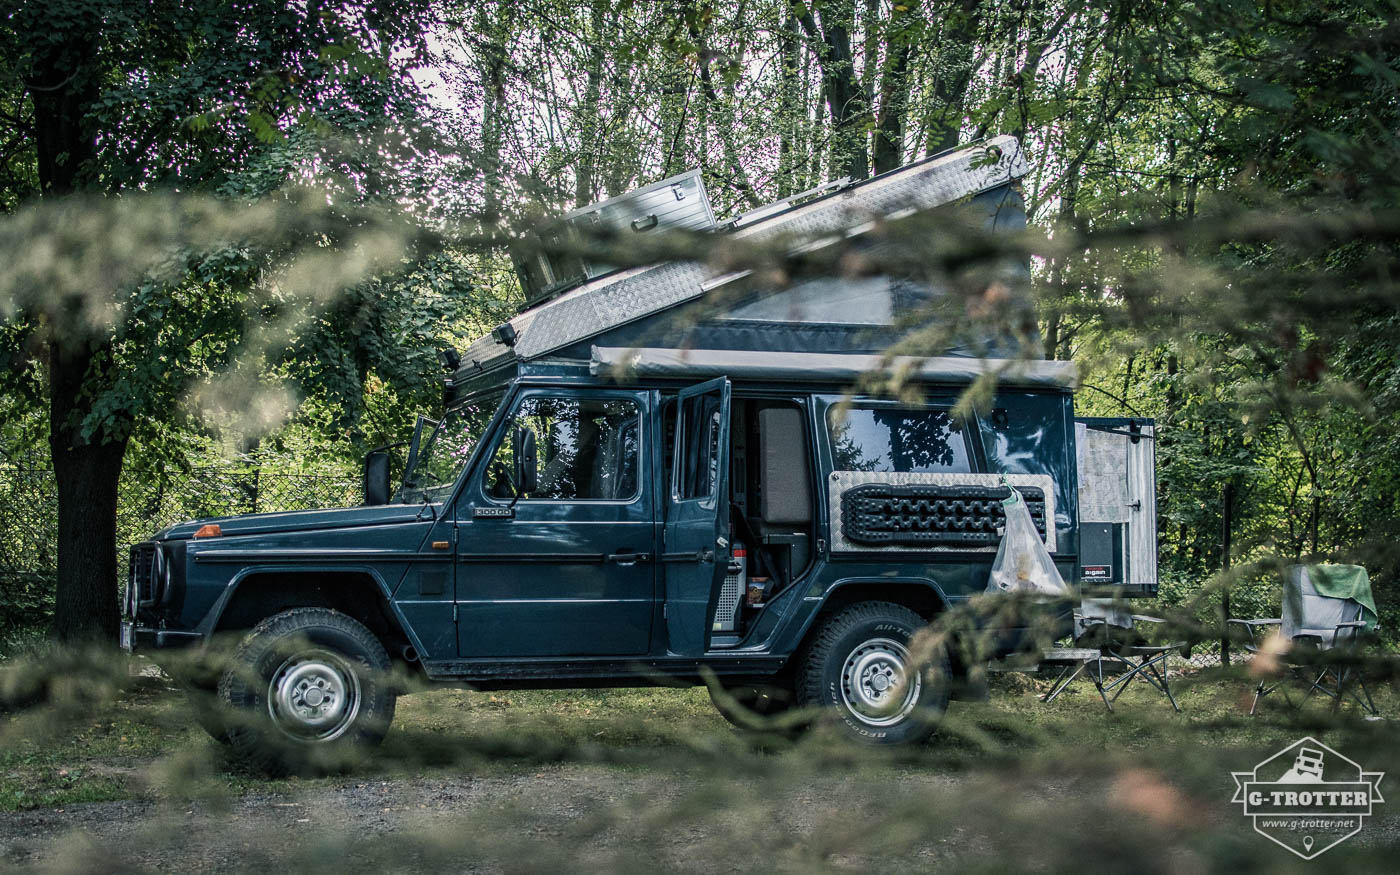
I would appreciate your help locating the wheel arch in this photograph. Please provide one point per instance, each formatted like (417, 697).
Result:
(359, 593)
(919, 594)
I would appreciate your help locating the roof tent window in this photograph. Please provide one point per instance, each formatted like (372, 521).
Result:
(845, 301)
(903, 440)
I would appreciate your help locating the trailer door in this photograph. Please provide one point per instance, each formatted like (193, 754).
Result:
(1116, 460)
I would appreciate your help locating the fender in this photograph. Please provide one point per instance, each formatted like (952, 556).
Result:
(814, 604)
(210, 622)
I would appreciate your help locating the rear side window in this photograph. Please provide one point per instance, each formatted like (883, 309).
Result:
(896, 439)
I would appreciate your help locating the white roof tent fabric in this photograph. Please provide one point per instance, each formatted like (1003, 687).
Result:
(782, 367)
(624, 297)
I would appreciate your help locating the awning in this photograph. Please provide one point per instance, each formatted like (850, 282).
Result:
(789, 367)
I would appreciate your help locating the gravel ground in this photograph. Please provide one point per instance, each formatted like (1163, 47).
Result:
(573, 816)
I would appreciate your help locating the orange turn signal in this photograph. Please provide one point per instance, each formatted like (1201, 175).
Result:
(209, 530)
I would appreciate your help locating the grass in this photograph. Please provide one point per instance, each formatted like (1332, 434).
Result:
(141, 740)
(624, 780)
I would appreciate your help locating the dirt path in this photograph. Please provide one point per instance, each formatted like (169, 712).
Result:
(602, 818)
(264, 830)
(593, 817)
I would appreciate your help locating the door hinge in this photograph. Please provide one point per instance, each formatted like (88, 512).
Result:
(663, 610)
(454, 612)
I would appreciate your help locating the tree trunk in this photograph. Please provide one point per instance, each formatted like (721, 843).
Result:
(86, 471)
(789, 124)
(894, 88)
(86, 468)
(493, 113)
(844, 95)
(585, 170)
(1059, 268)
(950, 87)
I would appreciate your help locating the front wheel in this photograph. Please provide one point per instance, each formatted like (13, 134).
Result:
(306, 687)
(860, 666)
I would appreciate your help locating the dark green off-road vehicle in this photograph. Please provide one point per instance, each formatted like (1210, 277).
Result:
(630, 485)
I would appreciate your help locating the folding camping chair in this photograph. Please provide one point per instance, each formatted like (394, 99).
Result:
(1325, 633)
(1104, 633)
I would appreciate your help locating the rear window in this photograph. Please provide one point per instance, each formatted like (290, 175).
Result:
(899, 439)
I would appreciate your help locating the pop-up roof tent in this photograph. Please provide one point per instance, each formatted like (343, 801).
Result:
(641, 316)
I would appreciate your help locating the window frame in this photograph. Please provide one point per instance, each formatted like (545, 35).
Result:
(567, 394)
(678, 472)
(970, 429)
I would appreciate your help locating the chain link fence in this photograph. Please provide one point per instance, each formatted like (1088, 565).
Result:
(29, 518)
(29, 530)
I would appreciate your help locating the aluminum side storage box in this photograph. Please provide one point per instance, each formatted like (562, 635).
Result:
(551, 261)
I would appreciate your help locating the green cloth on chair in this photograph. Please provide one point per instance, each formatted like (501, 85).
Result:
(1346, 582)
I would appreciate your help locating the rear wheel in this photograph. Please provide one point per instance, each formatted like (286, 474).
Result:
(860, 666)
(305, 688)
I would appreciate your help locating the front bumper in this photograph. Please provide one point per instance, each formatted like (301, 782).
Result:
(135, 637)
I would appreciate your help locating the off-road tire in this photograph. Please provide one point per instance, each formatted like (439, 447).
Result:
(870, 641)
(270, 724)
(208, 710)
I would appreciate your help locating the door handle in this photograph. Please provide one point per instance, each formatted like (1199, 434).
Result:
(626, 559)
(697, 556)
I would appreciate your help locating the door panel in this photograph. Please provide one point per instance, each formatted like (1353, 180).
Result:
(1116, 460)
(571, 573)
(697, 515)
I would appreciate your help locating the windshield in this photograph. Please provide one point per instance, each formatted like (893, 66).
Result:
(442, 454)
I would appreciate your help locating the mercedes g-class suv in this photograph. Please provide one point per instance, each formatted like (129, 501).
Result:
(630, 486)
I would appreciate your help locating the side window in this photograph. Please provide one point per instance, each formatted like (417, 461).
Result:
(588, 449)
(899, 439)
(698, 465)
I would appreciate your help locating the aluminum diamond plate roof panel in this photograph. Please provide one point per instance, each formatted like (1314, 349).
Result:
(620, 298)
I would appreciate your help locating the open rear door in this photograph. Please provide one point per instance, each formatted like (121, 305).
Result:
(1117, 462)
(696, 553)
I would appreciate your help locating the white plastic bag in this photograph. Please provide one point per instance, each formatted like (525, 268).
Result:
(1023, 564)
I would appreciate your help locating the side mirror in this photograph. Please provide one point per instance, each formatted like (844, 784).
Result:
(376, 479)
(526, 464)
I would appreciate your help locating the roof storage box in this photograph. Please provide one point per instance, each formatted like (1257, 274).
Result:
(553, 260)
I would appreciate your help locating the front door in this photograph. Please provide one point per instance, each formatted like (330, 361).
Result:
(569, 569)
(697, 516)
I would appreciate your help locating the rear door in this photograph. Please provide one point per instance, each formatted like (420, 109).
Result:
(1116, 461)
(697, 539)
